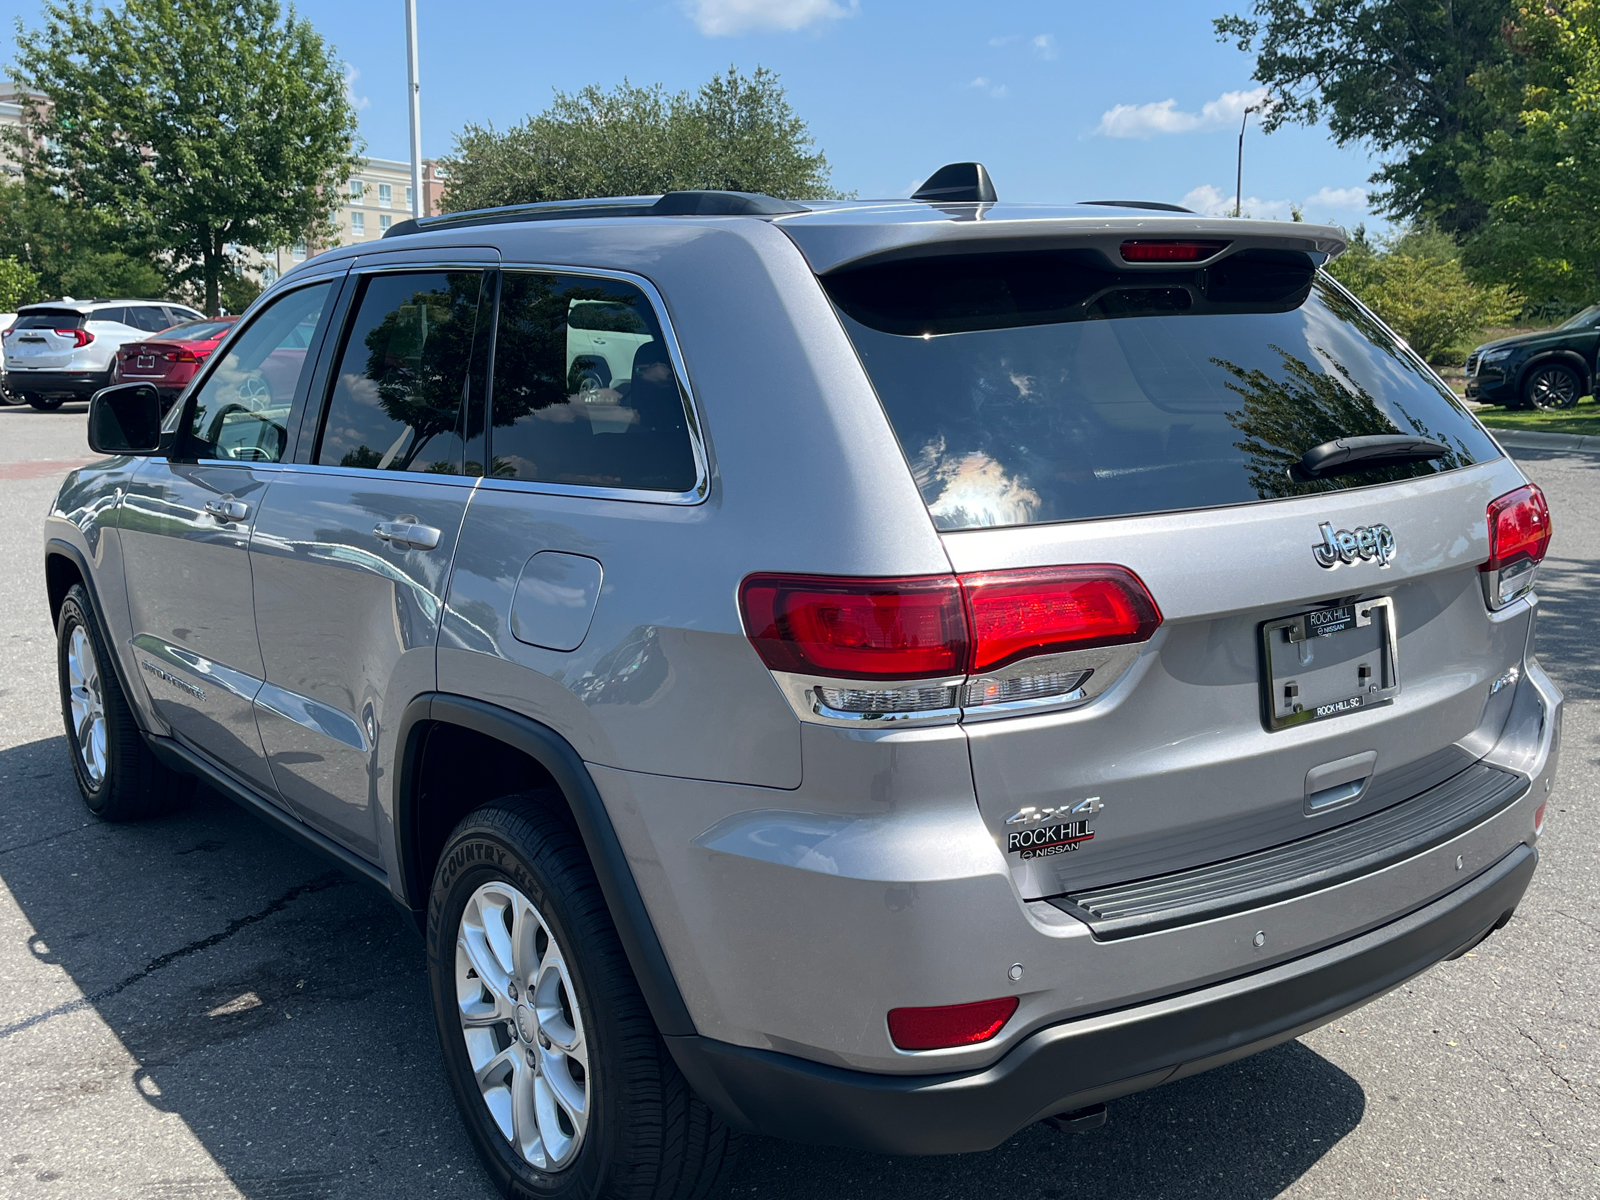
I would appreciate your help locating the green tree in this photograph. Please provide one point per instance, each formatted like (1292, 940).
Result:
(194, 124)
(18, 285)
(1417, 284)
(1541, 183)
(1393, 75)
(737, 133)
(72, 249)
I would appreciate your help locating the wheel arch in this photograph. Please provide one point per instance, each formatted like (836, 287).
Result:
(1567, 358)
(553, 761)
(65, 565)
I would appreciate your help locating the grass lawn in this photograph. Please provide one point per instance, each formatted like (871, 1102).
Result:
(1584, 418)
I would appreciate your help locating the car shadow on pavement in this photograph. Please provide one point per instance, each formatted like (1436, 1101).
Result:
(281, 1010)
(1566, 631)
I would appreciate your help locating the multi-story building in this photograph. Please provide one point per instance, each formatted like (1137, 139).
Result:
(378, 195)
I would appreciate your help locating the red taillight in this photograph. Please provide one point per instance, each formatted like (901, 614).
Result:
(927, 626)
(1519, 528)
(857, 628)
(1170, 251)
(950, 1024)
(80, 337)
(1538, 819)
(1020, 614)
(182, 356)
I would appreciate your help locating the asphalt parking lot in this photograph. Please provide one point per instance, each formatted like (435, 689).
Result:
(195, 1007)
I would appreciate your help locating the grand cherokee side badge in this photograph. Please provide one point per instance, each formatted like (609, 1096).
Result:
(1347, 545)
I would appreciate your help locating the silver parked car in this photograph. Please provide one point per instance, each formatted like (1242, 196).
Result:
(965, 662)
(62, 350)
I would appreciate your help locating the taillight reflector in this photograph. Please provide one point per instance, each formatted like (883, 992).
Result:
(80, 337)
(1170, 251)
(950, 1024)
(1519, 528)
(1020, 614)
(909, 628)
(926, 626)
(1538, 819)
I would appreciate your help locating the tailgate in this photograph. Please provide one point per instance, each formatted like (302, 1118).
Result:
(1178, 757)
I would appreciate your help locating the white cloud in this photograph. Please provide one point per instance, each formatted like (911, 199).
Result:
(1044, 45)
(1006, 40)
(1164, 116)
(721, 18)
(351, 74)
(1210, 202)
(1331, 197)
(997, 90)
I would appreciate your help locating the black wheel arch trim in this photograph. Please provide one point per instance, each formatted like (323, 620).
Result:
(557, 756)
(57, 548)
(1567, 358)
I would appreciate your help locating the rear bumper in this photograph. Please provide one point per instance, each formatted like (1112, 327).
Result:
(1093, 1059)
(55, 383)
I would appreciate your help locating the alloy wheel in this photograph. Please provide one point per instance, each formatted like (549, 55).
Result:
(524, 1032)
(88, 705)
(1553, 388)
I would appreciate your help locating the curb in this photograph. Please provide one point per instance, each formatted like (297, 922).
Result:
(1519, 439)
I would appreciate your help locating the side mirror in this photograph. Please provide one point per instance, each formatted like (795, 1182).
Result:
(125, 419)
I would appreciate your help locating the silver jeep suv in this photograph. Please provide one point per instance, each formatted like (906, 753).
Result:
(872, 673)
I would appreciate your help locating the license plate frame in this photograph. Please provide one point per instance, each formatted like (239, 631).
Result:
(1354, 638)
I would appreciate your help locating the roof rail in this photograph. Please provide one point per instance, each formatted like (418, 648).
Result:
(669, 204)
(1154, 205)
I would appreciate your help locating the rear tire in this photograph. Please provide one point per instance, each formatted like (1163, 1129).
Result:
(44, 405)
(515, 905)
(118, 778)
(1551, 387)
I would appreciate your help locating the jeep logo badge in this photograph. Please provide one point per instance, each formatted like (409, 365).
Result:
(1347, 545)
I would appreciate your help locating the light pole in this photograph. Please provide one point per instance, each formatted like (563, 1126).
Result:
(1238, 183)
(416, 109)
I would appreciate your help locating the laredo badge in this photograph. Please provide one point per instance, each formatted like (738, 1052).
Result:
(1048, 831)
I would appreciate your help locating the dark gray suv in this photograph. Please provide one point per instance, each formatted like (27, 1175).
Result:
(873, 673)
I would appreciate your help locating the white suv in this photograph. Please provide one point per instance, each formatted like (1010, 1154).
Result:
(62, 350)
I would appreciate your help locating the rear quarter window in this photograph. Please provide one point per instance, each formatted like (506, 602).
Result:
(1045, 386)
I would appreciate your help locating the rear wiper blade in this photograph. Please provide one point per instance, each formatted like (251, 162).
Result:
(1349, 455)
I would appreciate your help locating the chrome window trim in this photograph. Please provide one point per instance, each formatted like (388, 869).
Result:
(693, 418)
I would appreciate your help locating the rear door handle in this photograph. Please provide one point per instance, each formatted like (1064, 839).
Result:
(406, 534)
(228, 509)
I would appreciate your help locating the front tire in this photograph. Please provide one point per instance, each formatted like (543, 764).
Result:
(1551, 387)
(118, 778)
(562, 1078)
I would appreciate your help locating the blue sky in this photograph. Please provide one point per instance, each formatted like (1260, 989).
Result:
(1062, 101)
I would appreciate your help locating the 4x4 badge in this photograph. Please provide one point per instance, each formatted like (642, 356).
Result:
(1347, 545)
(1048, 831)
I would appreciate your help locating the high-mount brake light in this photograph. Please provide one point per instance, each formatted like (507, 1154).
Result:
(949, 1025)
(943, 643)
(1170, 251)
(1519, 535)
(80, 337)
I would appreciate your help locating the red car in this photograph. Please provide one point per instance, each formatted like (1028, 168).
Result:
(170, 359)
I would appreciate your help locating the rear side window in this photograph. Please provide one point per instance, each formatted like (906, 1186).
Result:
(1044, 386)
(118, 315)
(584, 391)
(242, 410)
(405, 371)
(61, 319)
(147, 317)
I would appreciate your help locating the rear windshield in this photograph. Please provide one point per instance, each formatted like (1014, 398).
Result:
(50, 320)
(198, 331)
(1044, 386)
